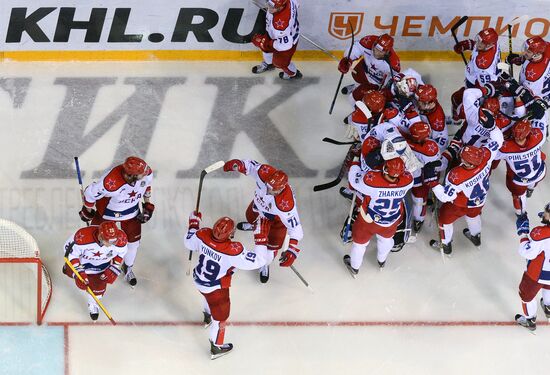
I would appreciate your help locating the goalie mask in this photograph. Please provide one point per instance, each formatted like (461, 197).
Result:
(406, 86)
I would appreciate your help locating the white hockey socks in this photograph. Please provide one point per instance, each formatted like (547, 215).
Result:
(384, 246)
(474, 224)
(131, 254)
(447, 233)
(418, 207)
(268, 57)
(530, 308)
(356, 254)
(546, 297)
(217, 332)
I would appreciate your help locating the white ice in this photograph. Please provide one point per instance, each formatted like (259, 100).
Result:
(418, 316)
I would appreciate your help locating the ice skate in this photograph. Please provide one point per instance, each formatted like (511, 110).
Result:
(417, 225)
(476, 240)
(529, 323)
(264, 274)
(129, 275)
(283, 75)
(348, 89)
(447, 248)
(397, 247)
(207, 319)
(381, 264)
(545, 308)
(93, 308)
(529, 192)
(245, 225)
(347, 262)
(218, 351)
(263, 67)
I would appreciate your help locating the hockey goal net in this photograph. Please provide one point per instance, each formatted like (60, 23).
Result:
(25, 285)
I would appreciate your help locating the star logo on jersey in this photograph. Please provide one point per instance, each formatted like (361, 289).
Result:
(432, 147)
(482, 61)
(279, 24)
(264, 169)
(285, 205)
(79, 237)
(371, 142)
(132, 194)
(530, 73)
(453, 176)
(438, 123)
(369, 177)
(234, 246)
(110, 183)
(97, 254)
(535, 232)
(373, 67)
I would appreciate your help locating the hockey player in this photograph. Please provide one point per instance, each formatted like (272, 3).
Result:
(116, 197)
(96, 253)
(482, 67)
(535, 77)
(274, 200)
(465, 190)
(280, 42)
(432, 113)
(381, 209)
(367, 113)
(426, 151)
(535, 247)
(375, 69)
(218, 257)
(525, 162)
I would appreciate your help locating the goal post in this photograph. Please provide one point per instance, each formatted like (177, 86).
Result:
(25, 284)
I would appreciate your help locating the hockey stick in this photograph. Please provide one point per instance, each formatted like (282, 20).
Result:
(335, 142)
(342, 75)
(89, 290)
(204, 172)
(300, 277)
(325, 51)
(347, 230)
(515, 21)
(79, 176)
(453, 31)
(341, 173)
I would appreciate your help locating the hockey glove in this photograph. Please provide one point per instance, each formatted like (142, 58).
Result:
(514, 58)
(195, 220)
(263, 42)
(519, 91)
(538, 109)
(522, 224)
(464, 45)
(85, 281)
(147, 212)
(344, 65)
(490, 90)
(110, 274)
(234, 165)
(289, 256)
(86, 215)
(431, 176)
(261, 231)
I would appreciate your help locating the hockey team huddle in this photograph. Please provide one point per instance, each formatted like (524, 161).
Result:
(401, 158)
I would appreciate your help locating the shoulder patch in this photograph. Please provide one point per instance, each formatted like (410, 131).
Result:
(368, 41)
(264, 171)
(114, 179)
(390, 113)
(540, 233)
(86, 235)
(484, 59)
(281, 20)
(359, 117)
(436, 119)
(285, 201)
(228, 247)
(122, 239)
(394, 61)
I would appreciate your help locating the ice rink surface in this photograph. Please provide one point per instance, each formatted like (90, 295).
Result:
(417, 316)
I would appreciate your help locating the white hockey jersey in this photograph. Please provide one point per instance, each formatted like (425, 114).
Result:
(283, 27)
(536, 249)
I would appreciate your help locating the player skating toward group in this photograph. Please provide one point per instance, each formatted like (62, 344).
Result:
(116, 196)
(218, 257)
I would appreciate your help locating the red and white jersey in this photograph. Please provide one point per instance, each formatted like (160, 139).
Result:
(536, 76)
(114, 198)
(84, 248)
(436, 120)
(383, 200)
(526, 163)
(282, 205)
(283, 27)
(425, 152)
(536, 249)
(385, 130)
(468, 187)
(363, 124)
(475, 133)
(377, 71)
(482, 67)
(217, 260)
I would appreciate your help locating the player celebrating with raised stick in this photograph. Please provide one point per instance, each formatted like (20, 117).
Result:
(96, 253)
(116, 197)
(274, 200)
(218, 256)
(280, 42)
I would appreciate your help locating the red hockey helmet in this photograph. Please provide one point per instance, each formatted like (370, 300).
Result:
(394, 167)
(108, 232)
(426, 93)
(223, 229)
(521, 129)
(472, 155)
(420, 131)
(384, 43)
(277, 181)
(486, 39)
(535, 44)
(375, 101)
(492, 104)
(134, 166)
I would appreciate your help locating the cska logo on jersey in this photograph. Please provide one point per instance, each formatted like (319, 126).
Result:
(339, 25)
